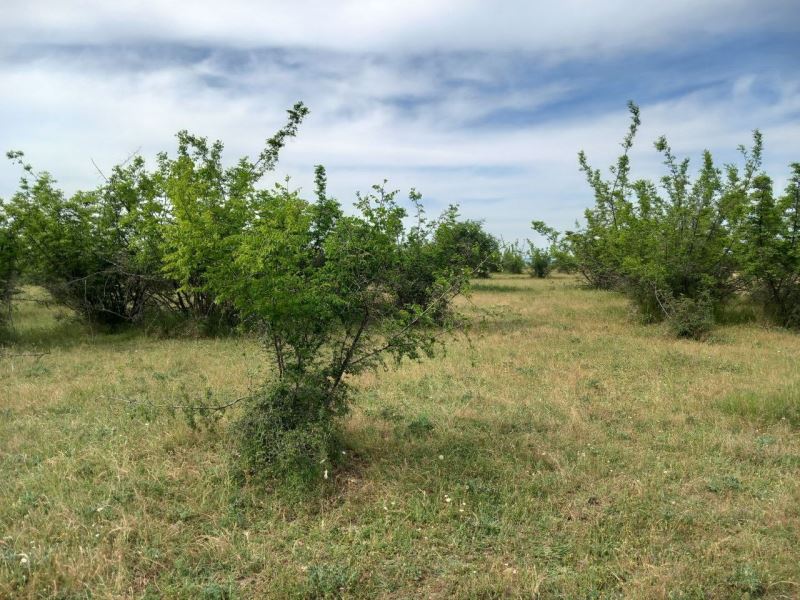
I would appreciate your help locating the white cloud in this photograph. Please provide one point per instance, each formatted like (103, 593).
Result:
(375, 113)
(379, 25)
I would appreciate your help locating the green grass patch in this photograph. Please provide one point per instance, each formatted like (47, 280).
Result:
(564, 451)
(765, 407)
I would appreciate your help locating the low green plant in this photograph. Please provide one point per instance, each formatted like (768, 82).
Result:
(746, 580)
(330, 581)
(780, 406)
(512, 259)
(287, 431)
(690, 317)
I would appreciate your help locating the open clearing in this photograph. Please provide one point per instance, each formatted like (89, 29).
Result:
(565, 450)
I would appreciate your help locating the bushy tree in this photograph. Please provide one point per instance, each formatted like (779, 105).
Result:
(512, 260)
(95, 251)
(329, 292)
(8, 267)
(74, 245)
(468, 244)
(425, 261)
(596, 247)
(142, 239)
(770, 252)
(542, 260)
(209, 206)
(668, 251)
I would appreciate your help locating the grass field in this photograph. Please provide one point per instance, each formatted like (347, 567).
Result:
(563, 451)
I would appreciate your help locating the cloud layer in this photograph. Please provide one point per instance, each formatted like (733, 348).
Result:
(485, 105)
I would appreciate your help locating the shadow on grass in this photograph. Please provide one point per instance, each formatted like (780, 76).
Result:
(39, 324)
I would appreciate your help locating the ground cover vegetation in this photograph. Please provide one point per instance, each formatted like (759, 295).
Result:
(564, 450)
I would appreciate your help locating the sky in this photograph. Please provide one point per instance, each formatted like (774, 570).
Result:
(484, 104)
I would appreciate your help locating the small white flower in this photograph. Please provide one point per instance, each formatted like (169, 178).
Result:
(441, 457)
(325, 475)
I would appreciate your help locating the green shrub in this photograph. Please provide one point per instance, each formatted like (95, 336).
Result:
(143, 241)
(684, 251)
(424, 261)
(512, 259)
(770, 249)
(467, 244)
(541, 262)
(92, 251)
(691, 318)
(329, 294)
(8, 269)
(287, 431)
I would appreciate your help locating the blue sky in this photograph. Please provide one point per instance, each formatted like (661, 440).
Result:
(483, 104)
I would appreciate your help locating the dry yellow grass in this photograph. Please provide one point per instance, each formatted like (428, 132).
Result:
(565, 451)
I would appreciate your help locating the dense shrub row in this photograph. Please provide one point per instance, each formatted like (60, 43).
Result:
(156, 241)
(684, 250)
(330, 293)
